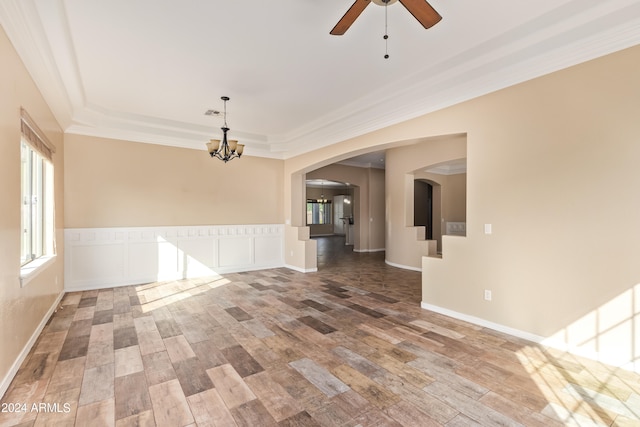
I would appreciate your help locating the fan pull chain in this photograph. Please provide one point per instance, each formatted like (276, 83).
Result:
(386, 35)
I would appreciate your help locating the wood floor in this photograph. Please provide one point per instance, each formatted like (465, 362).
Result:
(346, 346)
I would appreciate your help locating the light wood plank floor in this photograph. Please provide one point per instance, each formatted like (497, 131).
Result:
(347, 346)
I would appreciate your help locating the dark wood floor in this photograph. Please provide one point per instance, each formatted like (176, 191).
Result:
(346, 346)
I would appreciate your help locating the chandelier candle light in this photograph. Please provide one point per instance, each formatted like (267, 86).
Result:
(228, 149)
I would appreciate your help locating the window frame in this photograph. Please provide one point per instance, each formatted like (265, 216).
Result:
(37, 201)
(323, 213)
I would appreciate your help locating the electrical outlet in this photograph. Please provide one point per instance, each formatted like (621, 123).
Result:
(487, 295)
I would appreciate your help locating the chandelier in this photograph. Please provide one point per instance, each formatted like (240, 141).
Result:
(228, 149)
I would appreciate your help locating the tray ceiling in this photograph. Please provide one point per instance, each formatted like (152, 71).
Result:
(148, 70)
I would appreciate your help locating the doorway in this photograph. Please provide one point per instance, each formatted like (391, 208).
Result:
(423, 206)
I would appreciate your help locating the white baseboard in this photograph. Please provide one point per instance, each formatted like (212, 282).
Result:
(301, 270)
(370, 250)
(547, 342)
(406, 267)
(6, 381)
(484, 323)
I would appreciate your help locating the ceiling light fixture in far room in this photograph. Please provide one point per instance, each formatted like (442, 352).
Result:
(347, 199)
(322, 198)
(229, 149)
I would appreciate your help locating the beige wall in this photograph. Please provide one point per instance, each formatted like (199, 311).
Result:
(22, 309)
(376, 209)
(113, 183)
(454, 201)
(552, 164)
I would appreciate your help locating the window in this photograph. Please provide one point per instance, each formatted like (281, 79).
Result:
(318, 212)
(37, 207)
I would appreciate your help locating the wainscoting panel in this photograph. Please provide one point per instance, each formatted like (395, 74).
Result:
(90, 262)
(198, 256)
(104, 257)
(235, 251)
(268, 250)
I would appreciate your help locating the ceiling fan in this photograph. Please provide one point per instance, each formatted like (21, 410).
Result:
(420, 9)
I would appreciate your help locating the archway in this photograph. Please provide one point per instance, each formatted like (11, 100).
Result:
(385, 218)
(364, 189)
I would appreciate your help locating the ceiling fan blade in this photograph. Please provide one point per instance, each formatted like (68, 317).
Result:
(423, 12)
(345, 22)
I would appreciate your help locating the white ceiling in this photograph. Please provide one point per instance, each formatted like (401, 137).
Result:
(147, 70)
(374, 159)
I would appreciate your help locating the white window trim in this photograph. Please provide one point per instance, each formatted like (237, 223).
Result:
(29, 271)
(39, 142)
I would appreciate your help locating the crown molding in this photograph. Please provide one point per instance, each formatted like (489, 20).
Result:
(30, 42)
(522, 54)
(531, 50)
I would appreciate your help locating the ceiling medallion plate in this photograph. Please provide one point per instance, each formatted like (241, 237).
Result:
(383, 3)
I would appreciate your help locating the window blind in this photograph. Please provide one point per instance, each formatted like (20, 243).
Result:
(35, 137)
